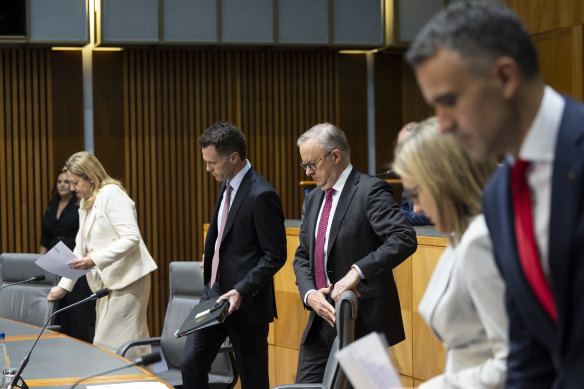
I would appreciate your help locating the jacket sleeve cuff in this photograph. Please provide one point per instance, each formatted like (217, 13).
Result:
(67, 284)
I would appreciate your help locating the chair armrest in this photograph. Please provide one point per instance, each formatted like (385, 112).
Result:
(133, 343)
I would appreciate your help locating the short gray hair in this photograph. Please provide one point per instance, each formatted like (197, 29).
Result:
(481, 31)
(329, 136)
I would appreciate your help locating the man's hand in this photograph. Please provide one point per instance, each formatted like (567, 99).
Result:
(348, 282)
(56, 293)
(234, 299)
(317, 301)
(83, 263)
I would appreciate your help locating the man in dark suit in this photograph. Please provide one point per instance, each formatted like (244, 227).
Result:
(245, 246)
(352, 237)
(476, 64)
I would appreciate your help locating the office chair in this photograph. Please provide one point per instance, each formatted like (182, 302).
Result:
(26, 302)
(334, 377)
(186, 288)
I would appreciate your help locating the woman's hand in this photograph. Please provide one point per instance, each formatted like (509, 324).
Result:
(81, 264)
(56, 293)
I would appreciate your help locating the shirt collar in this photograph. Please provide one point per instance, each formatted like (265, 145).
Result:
(236, 181)
(340, 183)
(540, 143)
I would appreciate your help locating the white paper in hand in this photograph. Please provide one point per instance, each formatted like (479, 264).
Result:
(367, 364)
(55, 261)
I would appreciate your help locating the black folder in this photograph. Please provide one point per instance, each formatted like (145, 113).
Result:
(205, 314)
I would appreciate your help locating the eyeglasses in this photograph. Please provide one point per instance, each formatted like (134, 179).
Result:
(312, 165)
(412, 195)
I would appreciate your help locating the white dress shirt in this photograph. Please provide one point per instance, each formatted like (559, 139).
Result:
(234, 183)
(538, 148)
(338, 187)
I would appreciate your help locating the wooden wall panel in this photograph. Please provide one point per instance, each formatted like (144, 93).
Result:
(388, 107)
(545, 15)
(67, 106)
(26, 166)
(560, 59)
(353, 100)
(171, 96)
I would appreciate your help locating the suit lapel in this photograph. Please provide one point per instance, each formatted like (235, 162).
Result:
(88, 220)
(540, 321)
(312, 220)
(344, 201)
(212, 231)
(567, 191)
(240, 195)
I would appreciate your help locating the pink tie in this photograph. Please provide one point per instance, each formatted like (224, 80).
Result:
(215, 263)
(319, 269)
(528, 255)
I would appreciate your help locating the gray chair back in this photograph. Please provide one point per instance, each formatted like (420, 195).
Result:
(26, 302)
(186, 289)
(346, 313)
(334, 377)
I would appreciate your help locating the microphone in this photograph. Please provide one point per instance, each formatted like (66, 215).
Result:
(40, 277)
(147, 359)
(385, 173)
(97, 295)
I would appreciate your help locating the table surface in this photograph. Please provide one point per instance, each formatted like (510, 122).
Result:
(58, 361)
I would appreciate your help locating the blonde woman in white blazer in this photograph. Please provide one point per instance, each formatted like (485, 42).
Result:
(110, 245)
(464, 301)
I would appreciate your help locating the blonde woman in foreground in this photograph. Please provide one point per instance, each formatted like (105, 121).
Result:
(109, 243)
(464, 301)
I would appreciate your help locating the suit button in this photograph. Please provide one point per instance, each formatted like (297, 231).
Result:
(113, 239)
(90, 250)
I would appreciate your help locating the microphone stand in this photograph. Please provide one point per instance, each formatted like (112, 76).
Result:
(143, 361)
(97, 295)
(35, 278)
(385, 173)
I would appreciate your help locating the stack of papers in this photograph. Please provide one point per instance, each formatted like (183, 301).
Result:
(367, 365)
(55, 261)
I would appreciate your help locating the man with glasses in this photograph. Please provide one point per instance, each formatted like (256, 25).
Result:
(352, 236)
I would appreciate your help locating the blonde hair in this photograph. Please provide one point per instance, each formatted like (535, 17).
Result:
(453, 181)
(88, 167)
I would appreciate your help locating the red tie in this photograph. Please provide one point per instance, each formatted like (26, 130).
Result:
(215, 262)
(319, 269)
(525, 236)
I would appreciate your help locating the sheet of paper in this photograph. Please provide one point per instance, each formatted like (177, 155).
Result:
(367, 364)
(55, 261)
(130, 385)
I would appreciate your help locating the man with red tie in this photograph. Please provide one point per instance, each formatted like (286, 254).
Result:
(476, 64)
(352, 236)
(245, 246)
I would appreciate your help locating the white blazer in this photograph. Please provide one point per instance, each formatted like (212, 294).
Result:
(464, 306)
(112, 237)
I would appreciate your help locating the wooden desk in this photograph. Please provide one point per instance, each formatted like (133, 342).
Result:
(58, 361)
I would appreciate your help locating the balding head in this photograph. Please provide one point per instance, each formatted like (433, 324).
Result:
(405, 131)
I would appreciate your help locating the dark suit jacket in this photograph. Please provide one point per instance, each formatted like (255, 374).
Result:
(414, 218)
(368, 230)
(253, 248)
(544, 354)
